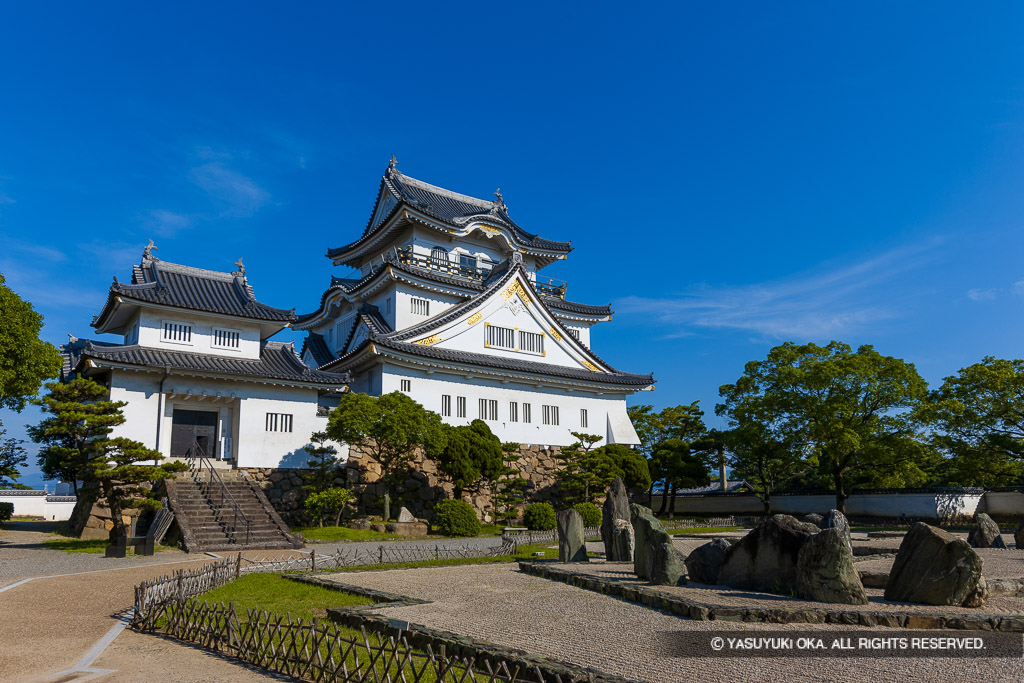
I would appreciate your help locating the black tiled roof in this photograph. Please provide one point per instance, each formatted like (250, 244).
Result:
(277, 361)
(444, 205)
(195, 289)
(317, 345)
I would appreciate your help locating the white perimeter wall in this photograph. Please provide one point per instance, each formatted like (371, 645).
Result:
(37, 505)
(242, 409)
(920, 505)
(428, 389)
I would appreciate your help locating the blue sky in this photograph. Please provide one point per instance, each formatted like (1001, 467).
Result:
(732, 175)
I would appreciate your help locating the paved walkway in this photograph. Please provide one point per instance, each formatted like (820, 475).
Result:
(497, 603)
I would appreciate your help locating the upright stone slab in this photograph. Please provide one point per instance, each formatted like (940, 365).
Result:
(703, 564)
(616, 509)
(837, 520)
(766, 558)
(933, 567)
(665, 563)
(571, 546)
(623, 541)
(825, 571)
(985, 533)
(1018, 536)
(639, 538)
(404, 515)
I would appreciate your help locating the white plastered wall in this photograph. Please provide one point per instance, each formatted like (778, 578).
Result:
(152, 325)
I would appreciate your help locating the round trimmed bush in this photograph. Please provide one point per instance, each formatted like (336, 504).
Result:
(590, 513)
(456, 518)
(539, 517)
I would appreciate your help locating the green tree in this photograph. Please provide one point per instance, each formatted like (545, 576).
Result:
(472, 455)
(77, 432)
(12, 456)
(761, 460)
(649, 427)
(25, 360)
(581, 473)
(683, 422)
(389, 428)
(323, 463)
(330, 502)
(852, 410)
(682, 468)
(978, 416)
(508, 489)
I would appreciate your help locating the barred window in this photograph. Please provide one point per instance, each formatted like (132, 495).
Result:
(446, 405)
(574, 332)
(177, 332)
(421, 306)
(226, 339)
(488, 409)
(279, 422)
(501, 337)
(526, 412)
(531, 342)
(460, 405)
(513, 412)
(549, 415)
(438, 257)
(583, 417)
(406, 385)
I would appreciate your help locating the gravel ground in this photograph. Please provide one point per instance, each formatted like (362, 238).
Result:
(499, 604)
(727, 597)
(996, 563)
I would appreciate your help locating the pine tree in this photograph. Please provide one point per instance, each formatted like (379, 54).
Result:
(508, 489)
(323, 463)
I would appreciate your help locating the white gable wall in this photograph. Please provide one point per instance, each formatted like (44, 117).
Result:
(151, 332)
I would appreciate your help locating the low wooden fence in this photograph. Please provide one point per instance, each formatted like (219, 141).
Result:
(321, 651)
(549, 536)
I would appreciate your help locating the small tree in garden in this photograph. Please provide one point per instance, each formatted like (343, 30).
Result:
(473, 454)
(456, 518)
(682, 468)
(508, 489)
(539, 517)
(590, 513)
(76, 437)
(327, 504)
(389, 428)
(323, 463)
(581, 473)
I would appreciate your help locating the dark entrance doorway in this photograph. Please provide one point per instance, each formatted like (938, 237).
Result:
(193, 426)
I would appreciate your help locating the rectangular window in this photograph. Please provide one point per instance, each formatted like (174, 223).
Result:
(575, 333)
(549, 415)
(513, 412)
(279, 422)
(531, 342)
(406, 385)
(488, 409)
(460, 404)
(446, 405)
(526, 412)
(420, 306)
(226, 339)
(583, 417)
(501, 337)
(180, 333)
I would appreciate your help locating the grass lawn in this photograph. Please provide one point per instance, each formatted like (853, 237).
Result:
(280, 596)
(341, 533)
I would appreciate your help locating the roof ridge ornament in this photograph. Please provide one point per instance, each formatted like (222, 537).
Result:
(241, 267)
(393, 164)
(498, 204)
(147, 253)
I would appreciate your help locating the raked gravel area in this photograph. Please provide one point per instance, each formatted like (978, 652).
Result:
(499, 604)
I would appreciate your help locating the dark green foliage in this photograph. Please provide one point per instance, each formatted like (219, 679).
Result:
(6, 511)
(851, 412)
(761, 459)
(680, 467)
(12, 456)
(25, 360)
(539, 517)
(456, 518)
(683, 423)
(75, 438)
(979, 419)
(323, 463)
(590, 513)
(327, 504)
(588, 472)
(390, 429)
(508, 489)
(472, 454)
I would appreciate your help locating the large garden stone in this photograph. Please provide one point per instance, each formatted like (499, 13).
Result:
(815, 519)
(1018, 536)
(623, 541)
(934, 568)
(616, 509)
(985, 533)
(665, 563)
(766, 558)
(837, 520)
(639, 538)
(825, 571)
(571, 546)
(702, 564)
(405, 516)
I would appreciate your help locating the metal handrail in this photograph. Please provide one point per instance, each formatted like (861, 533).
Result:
(198, 459)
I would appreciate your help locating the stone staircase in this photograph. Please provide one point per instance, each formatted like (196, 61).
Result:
(207, 523)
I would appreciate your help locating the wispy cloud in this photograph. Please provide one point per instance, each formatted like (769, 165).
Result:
(165, 223)
(1018, 288)
(982, 294)
(240, 196)
(815, 306)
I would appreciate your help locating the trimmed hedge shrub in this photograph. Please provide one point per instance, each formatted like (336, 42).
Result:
(6, 511)
(590, 513)
(456, 518)
(539, 517)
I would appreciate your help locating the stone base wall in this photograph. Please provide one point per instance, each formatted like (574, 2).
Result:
(91, 517)
(419, 492)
